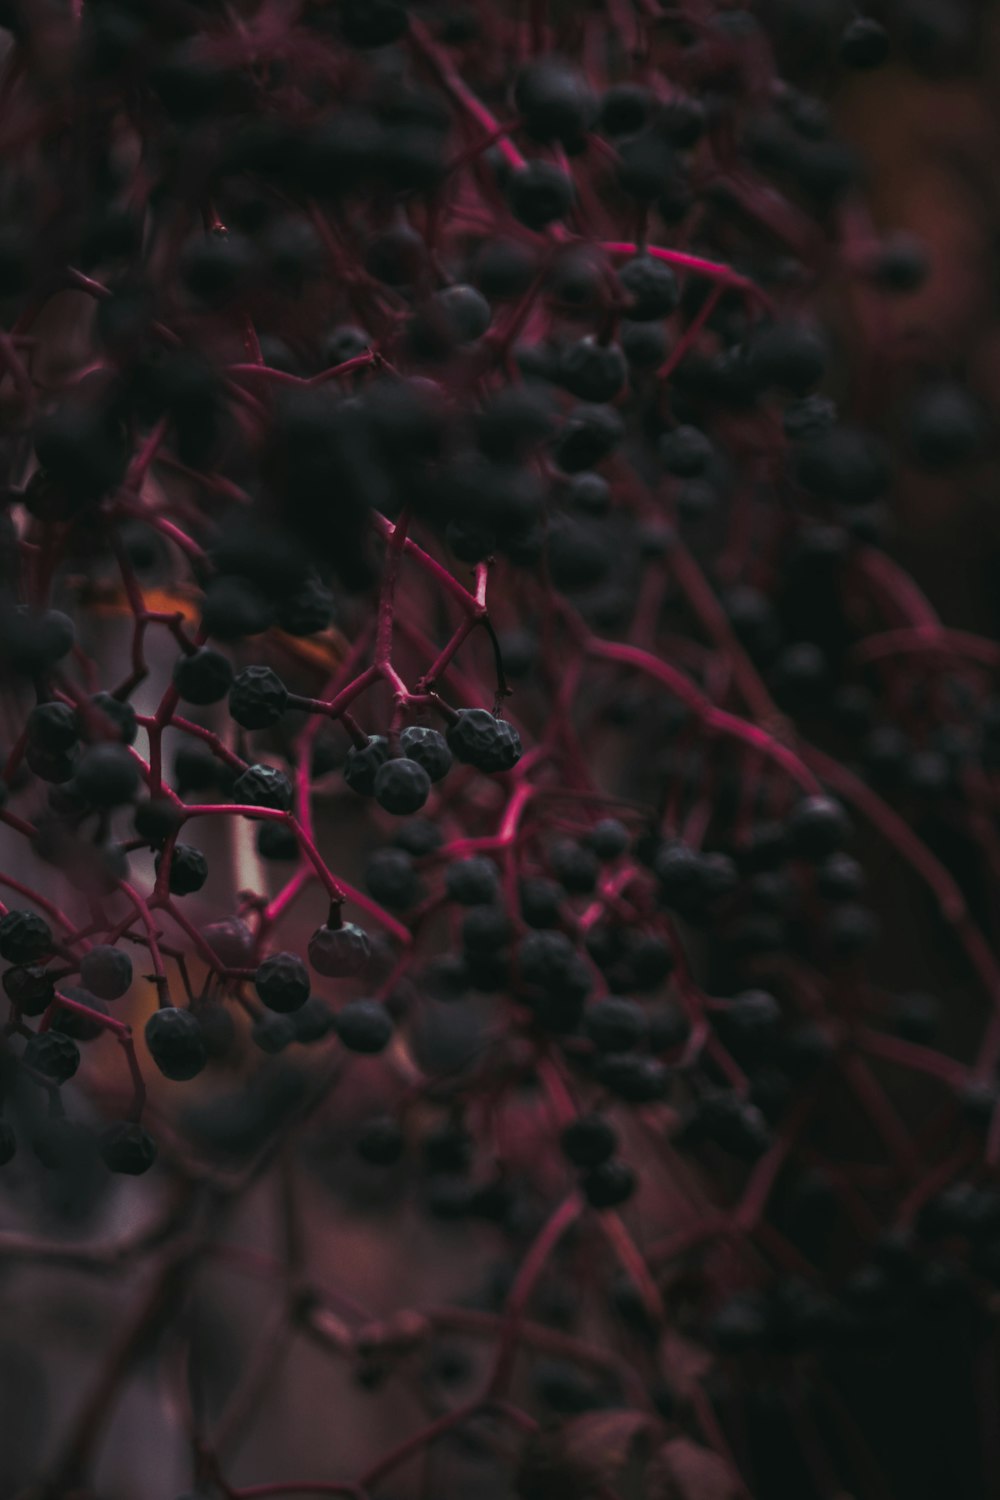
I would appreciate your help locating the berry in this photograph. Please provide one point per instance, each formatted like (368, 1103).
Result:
(106, 775)
(276, 841)
(29, 989)
(156, 820)
(263, 786)
(539, 193)
(282, 982)
(485, 929)
(53, 727)
(401, 786)
(789, 356)
(945, 427)
(418, 836)
(340, 952)
(574, 866)
(106, 971)
(364, 1026)
(651, 287)
(188, 870)
(429, 748)
(593, 371)
(234, 608)
(609, 1184)
(307, 610)
(273, 1033)
(817, 827)
(53, 1054)
(24, 937)
(614, 1024)
(589, 435)
(864, 44)
(685, 451)
(843, 465)
(541, 901)
(175, 1043)
(380, 1142)
(391, 879)
(363, 763)
(735, 1125)
(554, 101)
(633, 1078)
(258, 698)
(478, 739)
(473, 881)
(127, 1147)
(589, 1141)
(313, 1021)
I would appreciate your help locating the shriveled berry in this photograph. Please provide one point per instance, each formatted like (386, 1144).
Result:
(363, 763)
(401, 786)
(307, 610)
(175, 1043)
(364, 1026)
(282, 982)
(340, 952)
(429, 748)
(106, 971)
(127, 1147)
(263, 786)
(481, 740)
(258, 698)
(188, 869)
(52, 1054)
(24, 937)
(29, 989)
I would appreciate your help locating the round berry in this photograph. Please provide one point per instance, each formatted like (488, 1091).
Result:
(589, 1140)
(308, 610)
(120, 714)
(156, 820)
(313, 1021)
(175, 1043)
(608, 838)
(651, 287)
(106, 775)
(278, 842)
(593, 371)
(363, 763)
(106, 971)
(614, 1024)
(478, 739)
(472, 882)
(864, 43)
(24, 937)
(401, 786)
(609, 1184)
(258, 698)
(391, 879)
(539, 193)
(204, 677)
(554, 101)
(364, 1026)
(127, 1147)
(817, 828)
(188, 869)
(263, 786)
(54, 728)
(272, 1033)
(52, 1054)
(340, 952)
(282, 982)
(381, 1142)
(29, 989)
(429, 748)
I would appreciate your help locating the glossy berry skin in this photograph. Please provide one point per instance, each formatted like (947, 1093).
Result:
(128, 1148)
(258, 698)
(53, 1055)
(364, 1026)
(478, 739)
(25, 937)
(106, 971)
(175, 1043)
(263, 786)
(864, 44)
(608, 1185)
(188, 870)
(817, 827)
(204, 677)
(589, 1140)
(340, 952)
(8, 1143)
(401, 786)
(363, 763)
(282, 982)
(429, 748)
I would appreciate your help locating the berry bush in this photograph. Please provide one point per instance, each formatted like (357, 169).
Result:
(493, 839)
